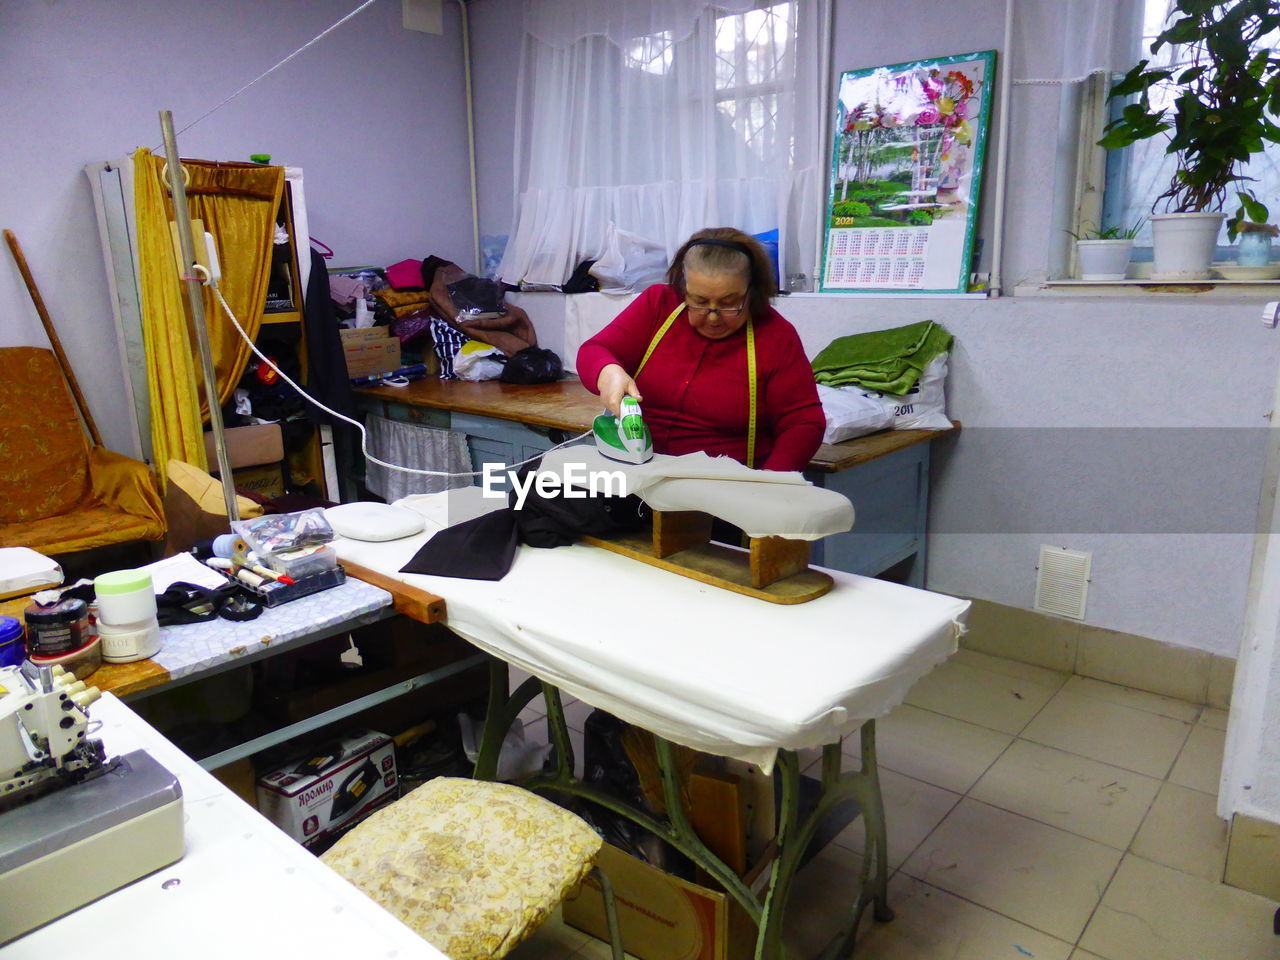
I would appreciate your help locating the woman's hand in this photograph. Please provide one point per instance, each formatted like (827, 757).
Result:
(613, 384)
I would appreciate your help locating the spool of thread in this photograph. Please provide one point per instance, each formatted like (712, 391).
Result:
(225, 545)
(58, 628)
(11, 647)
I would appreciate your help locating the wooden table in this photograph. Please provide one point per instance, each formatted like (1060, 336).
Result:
(885, 475)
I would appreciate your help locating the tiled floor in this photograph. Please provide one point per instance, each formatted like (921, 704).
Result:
(1031, 815)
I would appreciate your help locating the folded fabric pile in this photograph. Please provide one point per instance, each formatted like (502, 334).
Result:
(887, 361)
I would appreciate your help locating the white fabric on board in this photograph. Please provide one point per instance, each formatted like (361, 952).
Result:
(764, 503)
(711, 669)
(411, 445)
(665, 117)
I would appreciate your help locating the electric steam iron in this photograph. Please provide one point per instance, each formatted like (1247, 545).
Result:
(624, 438)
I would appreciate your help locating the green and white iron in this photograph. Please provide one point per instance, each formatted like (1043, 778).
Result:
(624, 438)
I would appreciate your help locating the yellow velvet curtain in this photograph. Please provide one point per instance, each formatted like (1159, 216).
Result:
(238, 203)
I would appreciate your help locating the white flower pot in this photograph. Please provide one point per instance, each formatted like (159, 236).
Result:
(1184, 244)
(1103, 259)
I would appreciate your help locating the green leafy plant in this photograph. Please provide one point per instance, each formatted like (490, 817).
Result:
(850, 208)
(1251, 215)
(1110, 233)
(1222, 97)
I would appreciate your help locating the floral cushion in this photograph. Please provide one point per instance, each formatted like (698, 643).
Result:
(472, 867)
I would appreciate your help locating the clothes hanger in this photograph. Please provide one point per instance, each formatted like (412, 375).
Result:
(325, 250)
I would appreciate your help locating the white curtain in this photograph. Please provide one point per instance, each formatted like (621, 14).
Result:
(665, 117)
(423, 448)
(1067, 41)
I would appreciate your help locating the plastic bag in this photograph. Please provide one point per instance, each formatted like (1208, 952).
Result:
(282, 532)
(852, 412)
(629, 262)
(517, 759)
(532, 365)
(924, 406)
(477, 361)
(476, 297)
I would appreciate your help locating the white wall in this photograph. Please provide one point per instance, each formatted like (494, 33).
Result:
(1170, 529)
(373, 113)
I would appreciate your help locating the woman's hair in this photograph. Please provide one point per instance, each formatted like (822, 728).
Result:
(726, 250)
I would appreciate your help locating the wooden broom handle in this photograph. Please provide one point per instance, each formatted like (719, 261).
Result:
(63, 362)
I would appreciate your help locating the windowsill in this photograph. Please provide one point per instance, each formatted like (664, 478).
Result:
(1211, 287)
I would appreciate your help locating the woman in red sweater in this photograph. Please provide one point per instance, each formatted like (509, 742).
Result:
(685, 349)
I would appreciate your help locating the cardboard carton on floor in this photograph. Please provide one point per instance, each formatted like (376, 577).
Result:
(662, 917)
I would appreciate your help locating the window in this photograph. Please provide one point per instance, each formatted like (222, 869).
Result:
(711, 121)
(1135, 177)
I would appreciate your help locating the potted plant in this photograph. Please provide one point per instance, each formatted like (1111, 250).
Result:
(1218, 102)
(1250, 225)
(1104, 254)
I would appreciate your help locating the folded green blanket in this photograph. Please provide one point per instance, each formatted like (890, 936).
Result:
(887, 361)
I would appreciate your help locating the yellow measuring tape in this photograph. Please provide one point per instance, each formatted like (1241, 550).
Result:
(751, 375)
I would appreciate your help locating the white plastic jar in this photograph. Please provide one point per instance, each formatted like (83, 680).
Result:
(127, 623)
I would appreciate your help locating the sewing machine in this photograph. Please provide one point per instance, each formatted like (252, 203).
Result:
(74, 825)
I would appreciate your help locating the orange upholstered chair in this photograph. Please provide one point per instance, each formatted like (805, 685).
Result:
(57, 493)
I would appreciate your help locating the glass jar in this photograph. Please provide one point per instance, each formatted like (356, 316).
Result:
(1254, 249)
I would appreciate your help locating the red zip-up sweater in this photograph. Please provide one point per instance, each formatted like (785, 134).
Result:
(695, 389)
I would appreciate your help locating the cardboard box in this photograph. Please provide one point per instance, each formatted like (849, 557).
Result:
(662, 917)
(370, 350)
(332, 786)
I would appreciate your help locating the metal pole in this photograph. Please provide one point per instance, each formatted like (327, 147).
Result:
(195, 299)
(1005, 68)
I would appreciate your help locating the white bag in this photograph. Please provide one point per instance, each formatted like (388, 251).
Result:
(851, 412)
(476, 361)
(924, 406)
(629, 262)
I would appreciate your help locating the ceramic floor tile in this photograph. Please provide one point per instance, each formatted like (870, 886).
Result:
(1215, 718)
(1010, 668)
(994, 700)
(576, 713)
(1199, 765)
(1085, 955)
(1183, 831)
(1074, 793)
(1036, 874)
(1134, 739)
(822, 897)
(912, 808)
(931, 924)
(946, 752)
(1138, 699)
(1153, 912)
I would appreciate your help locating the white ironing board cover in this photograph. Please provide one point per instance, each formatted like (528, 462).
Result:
(698, 665)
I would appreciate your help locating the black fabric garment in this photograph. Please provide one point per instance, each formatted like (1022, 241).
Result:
(558, 521)
(484, 548)
(480, 549)
(581, 280)
(532, 365)
(327, 364)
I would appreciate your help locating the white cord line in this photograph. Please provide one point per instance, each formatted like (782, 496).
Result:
(318, 37)
(364, 438)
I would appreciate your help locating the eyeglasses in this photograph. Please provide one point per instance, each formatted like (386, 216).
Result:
(726, 312)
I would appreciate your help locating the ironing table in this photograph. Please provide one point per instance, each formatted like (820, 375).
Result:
(696, 666)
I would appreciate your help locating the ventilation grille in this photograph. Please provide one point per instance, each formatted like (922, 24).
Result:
(1062, 581)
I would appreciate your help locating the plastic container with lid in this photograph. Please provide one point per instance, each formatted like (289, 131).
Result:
(82, 662)
(129, 643)
(125, 597)
(57, 628)
(12, 648)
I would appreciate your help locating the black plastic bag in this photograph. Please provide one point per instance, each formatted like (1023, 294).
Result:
(532, 365)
